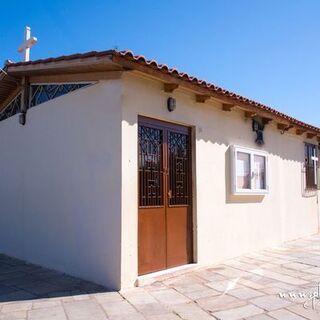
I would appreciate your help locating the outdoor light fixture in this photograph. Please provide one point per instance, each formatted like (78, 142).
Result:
(22, 118)
(171, 104)
(258, 127)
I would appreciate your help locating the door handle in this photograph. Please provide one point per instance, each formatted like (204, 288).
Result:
(169, 194)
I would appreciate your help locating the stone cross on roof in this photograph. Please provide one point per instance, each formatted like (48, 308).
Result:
(27, 44)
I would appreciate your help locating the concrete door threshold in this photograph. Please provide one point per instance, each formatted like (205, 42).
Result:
(162, 275)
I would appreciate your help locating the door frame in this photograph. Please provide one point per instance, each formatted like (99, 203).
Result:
(161, 123)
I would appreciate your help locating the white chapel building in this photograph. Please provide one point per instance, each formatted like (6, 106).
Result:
(114, 167)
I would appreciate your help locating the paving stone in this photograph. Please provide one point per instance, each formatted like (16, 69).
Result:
(191, 311)
(6, 290)
(260, 317)
(170, 296)
(281, 277)
(303, 312)
(206, 292)
(119, 308)
(245, 293)
(108, 297)
(152, 309)
(52, 313)
(225, 285)
(298, 266)
(210, 275)
(81, 297)
(138, 296)
(16, 296)
(11, 275)
(45, 303)
(251, 284)
(238, 313)
(285, 314)
(270, 302)
(15, 315)
(167, 316)
(218, 303)
(18, 306)
(39, 287)
(84, 310)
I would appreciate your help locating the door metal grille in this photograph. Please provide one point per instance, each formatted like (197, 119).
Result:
(150, 167)
(179, 169)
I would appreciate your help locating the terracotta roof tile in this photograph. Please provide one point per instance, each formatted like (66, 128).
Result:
(129, 55)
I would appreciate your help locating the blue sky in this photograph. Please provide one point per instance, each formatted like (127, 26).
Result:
(266, 50)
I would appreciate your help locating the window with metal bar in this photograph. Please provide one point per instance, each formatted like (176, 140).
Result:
(12, 108)
(311, 165)
(40, 93)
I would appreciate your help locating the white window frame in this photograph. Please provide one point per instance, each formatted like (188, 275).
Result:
(252, 152)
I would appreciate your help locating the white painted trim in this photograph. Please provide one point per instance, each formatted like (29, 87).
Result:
(150, 278)
(252, 152)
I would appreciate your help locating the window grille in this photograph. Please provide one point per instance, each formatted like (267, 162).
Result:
(12, 108)
(311, 166)
(40, 93)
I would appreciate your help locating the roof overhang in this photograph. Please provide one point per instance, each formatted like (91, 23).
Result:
(113, 60)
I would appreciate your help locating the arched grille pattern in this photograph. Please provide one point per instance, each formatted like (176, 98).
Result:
(12, 108)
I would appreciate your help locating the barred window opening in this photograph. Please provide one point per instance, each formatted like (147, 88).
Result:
(40, 93)
(12, 108)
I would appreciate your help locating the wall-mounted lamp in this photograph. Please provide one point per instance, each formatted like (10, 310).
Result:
(22, 118)
(171, 104)
(258, 127)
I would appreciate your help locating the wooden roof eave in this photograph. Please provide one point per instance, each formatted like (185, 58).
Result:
(92, 64)
(195, 88)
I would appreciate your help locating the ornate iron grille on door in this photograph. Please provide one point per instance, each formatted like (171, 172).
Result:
(150, 167)
(179, 169)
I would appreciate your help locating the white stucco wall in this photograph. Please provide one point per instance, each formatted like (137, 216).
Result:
(225, 226)
(68, 182)
(60, 184)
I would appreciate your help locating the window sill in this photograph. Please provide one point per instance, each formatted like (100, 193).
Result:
(250, 192)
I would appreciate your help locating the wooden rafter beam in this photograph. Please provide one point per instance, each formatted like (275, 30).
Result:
(282, 126)
(170, 87)
(227, 107)
(310, 135)
(265, 120)
(193, 87)
(300, 132)
(202, 98)
(249, 114)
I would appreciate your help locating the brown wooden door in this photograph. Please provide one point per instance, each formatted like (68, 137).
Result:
(165, 196)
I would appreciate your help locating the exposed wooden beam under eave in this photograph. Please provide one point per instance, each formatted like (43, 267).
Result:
(300, 132)
(170, 87)
(249, 114)
(195, 88)
(202, 98)
(265, 120)
(227, 107)
(282, 126)
(310, 135)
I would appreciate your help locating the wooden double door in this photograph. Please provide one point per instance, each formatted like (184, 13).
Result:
(165, 196)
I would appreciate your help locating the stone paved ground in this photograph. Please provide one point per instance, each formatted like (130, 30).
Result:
(244, 288)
